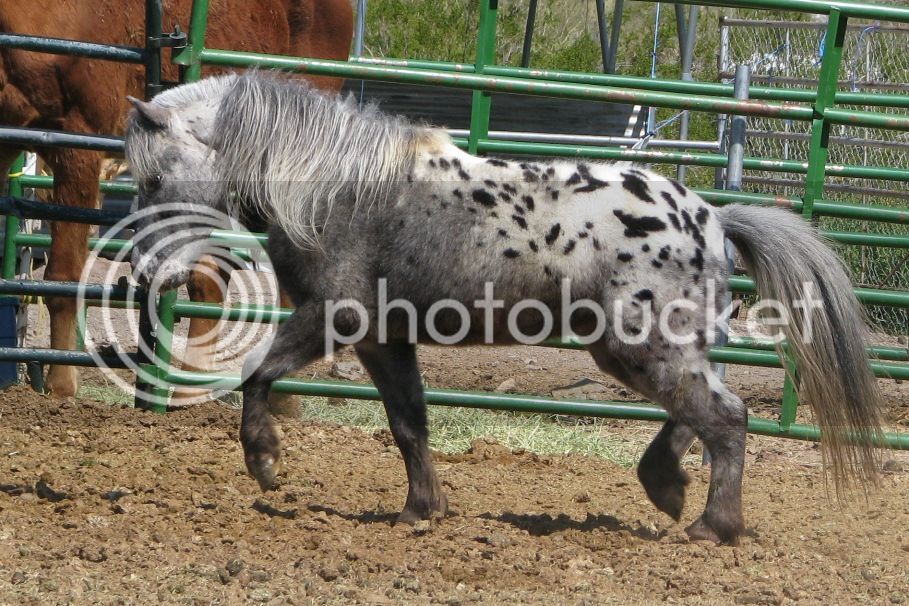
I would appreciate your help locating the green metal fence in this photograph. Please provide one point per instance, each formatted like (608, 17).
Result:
(820, 109)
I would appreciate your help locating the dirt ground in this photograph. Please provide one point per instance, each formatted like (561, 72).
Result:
(106, 505)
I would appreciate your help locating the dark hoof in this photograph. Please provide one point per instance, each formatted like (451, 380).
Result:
(264, 469)
(413, 514)
(665, 489)
(702, 531)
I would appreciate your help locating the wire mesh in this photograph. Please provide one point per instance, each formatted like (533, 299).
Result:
(788, 54)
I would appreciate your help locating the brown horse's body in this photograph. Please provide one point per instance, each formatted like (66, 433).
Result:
(89, 96)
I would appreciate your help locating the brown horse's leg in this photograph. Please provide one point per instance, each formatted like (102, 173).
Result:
(207, 283)
(75, 184)
(393, 368)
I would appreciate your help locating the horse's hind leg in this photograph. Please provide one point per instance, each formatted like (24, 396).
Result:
(394, 370)
(659, 471)
(699, 405)
(298, 341)
(719, 419)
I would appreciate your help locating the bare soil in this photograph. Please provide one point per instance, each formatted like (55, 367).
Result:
(106, 505)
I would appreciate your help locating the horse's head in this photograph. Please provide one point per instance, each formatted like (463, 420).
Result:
(167, 145)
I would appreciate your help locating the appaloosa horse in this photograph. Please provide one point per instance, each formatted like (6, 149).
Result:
(367, 209)
(89, 96)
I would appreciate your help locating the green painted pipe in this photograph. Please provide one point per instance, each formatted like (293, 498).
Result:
(818, 7)
(854, 117)
(507, 84)
(11, 225)
(687, 158)
(737, 354)
(764, 93)
(508, 402)
(190, 56)
(868, 296)
(107, 187)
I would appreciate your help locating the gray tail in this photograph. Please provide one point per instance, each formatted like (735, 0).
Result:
(790, 262)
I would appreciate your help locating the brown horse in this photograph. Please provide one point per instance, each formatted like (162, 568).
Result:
(89, 96)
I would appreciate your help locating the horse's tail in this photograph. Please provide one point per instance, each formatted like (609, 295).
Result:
(791, 263)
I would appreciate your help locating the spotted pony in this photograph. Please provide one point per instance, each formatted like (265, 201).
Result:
(359, 201)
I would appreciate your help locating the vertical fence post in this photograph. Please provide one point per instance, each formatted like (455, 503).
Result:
(741, 86)
(161, 335)
(11, 228)
(153, 16)
(687, 58)
(191, 56)
(528, 33)
(601, 29)
(820, 126)
(737, 130)
(486, 50)
(614, 34)
(817, 165)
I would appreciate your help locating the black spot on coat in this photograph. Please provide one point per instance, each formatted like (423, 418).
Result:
(625, 257)
(645, 294)
(481, 196)
(569, 246)
(638, 227)
(528, 202)
(697, 260)
(496, 162)
(521, 221)
(593, 183)
(511, 253)
(637, 187)
(669, 200)
(553, 233)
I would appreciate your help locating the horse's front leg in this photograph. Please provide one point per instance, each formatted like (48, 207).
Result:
(297, 342)
(75, 184)
(394, 370)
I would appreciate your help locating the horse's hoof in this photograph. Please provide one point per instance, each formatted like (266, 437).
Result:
(701, 531)
(264, 471)
(61, 381)
(666, 490)
(411, 515)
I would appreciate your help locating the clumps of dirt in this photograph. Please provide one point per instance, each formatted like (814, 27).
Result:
(111, 505)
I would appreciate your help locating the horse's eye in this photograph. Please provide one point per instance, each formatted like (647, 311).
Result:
(153, 182)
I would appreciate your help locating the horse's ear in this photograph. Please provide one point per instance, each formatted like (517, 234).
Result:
(151, 114)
